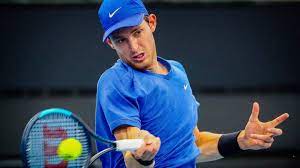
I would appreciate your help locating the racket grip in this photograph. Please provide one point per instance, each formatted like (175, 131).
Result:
(129, 144)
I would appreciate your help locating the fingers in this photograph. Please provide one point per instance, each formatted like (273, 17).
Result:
(255, 112)
(147, 152)
(263, 138)
(261, 144)
(279, 119)
(144, 153)
(143, 133)
(149, 149)
(274, 131)
(139, 152)
(266, 140)
(263, 141)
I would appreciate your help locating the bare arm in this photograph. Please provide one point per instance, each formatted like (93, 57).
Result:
(145, 153)
(256, 135)
(208, 144)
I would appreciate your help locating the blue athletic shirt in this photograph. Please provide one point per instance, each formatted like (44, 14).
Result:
(161, 104)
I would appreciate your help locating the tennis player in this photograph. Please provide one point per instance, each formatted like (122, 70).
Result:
(146, 96)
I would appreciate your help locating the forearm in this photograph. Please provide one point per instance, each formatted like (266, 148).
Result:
(216, 146)
(208, 144)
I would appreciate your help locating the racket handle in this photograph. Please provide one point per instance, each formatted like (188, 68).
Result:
(129, 144)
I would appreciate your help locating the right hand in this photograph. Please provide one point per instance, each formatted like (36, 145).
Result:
(149, 149)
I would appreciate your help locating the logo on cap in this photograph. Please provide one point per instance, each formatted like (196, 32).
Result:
(112, 14)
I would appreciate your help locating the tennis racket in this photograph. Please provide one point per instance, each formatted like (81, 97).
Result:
(47, 129)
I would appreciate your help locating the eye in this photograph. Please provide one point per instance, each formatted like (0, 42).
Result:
(138, 32)
(119, 41)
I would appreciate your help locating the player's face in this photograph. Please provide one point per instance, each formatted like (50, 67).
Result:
(136, 45)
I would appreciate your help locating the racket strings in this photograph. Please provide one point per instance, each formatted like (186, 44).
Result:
(45, 136)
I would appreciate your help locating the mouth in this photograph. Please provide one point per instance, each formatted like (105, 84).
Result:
(139, 57)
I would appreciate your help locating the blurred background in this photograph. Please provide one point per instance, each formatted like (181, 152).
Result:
(234, 52)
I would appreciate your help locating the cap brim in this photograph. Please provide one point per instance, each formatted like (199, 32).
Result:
(128, 22)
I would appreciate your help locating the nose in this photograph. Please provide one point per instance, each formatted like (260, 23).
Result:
(133, 44)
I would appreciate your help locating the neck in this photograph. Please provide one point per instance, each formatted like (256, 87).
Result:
(158, 68)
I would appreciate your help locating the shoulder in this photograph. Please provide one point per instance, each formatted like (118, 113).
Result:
(116, 76)
(176, 64)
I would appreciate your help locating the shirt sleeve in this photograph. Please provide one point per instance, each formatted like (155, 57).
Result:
(119, 106)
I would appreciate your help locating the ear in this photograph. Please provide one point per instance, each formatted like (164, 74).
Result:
(109, 42)
(152, 22)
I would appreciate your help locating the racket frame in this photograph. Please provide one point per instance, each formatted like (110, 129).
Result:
(87, 129)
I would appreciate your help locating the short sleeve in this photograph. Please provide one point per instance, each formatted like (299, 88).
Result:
(119, 106)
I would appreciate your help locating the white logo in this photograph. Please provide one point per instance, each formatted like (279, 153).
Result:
(112, 14)
(185, 86)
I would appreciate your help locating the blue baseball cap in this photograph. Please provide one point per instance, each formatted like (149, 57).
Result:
(116, 14)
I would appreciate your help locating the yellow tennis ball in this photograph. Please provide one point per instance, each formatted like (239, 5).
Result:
(69, 149)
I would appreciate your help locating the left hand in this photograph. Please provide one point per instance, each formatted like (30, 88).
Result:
(260, 135)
